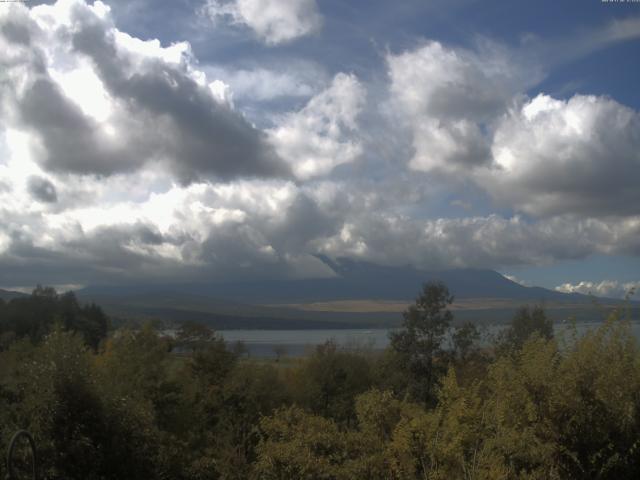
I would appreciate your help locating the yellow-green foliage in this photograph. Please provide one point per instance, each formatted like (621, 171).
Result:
(299, 445)
(545, 410)
(540, 412)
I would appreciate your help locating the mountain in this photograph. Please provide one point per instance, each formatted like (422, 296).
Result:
(359, 295)
(9, 294)
(356, 280)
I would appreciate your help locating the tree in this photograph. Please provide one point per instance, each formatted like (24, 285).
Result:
(420, 339)
(35, 316)
(328, 381)
(280, 351)
(297, 444)
(526, 322)
(463, 338)
(194, 336)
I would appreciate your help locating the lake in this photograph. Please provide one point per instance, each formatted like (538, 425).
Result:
(295, 343)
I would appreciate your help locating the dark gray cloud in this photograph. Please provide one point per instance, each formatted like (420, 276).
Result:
(16, 32)
(42, 189)
(72, 141)
(199, 134)
(304, 222)
(103, 256)
(160, 113)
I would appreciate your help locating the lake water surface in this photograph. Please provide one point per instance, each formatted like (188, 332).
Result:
(295, 343)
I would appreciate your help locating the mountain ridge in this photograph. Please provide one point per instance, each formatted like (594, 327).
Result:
(354, 280)
(7, 295)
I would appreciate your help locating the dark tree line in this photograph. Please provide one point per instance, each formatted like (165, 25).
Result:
(34, 316)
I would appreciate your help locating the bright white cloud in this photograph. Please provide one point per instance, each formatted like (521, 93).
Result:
(200, 229)
(163, 178)
(449, 98)
(84, 88)
(542, 156)
(581, 155)
(515, 279)
(323, 134)
(94, 100)
(273, 21)
(605, 288)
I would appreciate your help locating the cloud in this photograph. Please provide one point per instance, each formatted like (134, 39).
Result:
(469, 118)
(42, 189)
(577, 44)
(449, 97)
(267, 229)
(273, 21)
(95, 100)
(605, 288)
(578, 156)
(515, 279)
(296, 79)
(243, 229)
(124, 159)
(482, 242)
(323, 134)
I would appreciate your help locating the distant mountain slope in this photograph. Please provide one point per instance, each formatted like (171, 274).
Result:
(9, 294)
(482, 295)
(361, 280)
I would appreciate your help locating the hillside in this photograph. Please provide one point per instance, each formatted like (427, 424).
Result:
(9, 294)
(353, 281)
(360, 295)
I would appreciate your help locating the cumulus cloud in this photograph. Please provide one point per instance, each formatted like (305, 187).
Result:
(243, 229)
(42, 189)
(273, 21)
(468, 115)
(127, 160)
(581, 155)
(95, 100)
(449, 98)
(270, 228)
(605, 288)
(323, 134)
(486, 242)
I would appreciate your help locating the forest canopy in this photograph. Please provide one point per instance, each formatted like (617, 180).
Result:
(129, 404)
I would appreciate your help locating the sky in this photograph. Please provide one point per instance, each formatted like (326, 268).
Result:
(151, 142)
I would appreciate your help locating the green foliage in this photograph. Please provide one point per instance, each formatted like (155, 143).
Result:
(464, 338)
(526, 322)
(420, 340)
(140, 409)
(297, 444)
(328, 381)
(52, 391)
(194, 336)
(34, 317)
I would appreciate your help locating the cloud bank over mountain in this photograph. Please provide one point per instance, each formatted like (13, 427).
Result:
(130, 159)
(605, 288)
